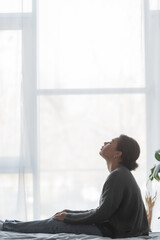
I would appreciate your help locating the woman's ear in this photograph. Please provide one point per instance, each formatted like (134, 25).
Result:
(118, 154)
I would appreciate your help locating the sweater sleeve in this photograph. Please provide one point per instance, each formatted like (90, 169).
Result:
(76, 211)
(111, 197)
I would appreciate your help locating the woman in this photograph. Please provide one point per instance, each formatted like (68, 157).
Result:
(121, 212)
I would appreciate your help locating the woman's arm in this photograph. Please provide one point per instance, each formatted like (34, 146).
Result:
(61, 215)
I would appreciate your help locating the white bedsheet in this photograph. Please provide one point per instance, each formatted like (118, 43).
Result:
(64, 236)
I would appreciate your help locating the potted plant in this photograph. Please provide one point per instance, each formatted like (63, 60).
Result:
(155, 174)
(156, 169)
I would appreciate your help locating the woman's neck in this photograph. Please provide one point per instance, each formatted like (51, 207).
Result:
(113, 165)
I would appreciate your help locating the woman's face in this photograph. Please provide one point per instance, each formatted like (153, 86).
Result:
(109, 149)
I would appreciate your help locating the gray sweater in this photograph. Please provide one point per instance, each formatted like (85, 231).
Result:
(121, 212)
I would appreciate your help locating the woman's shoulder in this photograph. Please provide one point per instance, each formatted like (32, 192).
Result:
(119, 174)
(116, 179)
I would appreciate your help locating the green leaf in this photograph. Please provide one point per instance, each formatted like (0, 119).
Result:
(157, 178)
(156, 172)
(151, 174)
(152, 169)
(157, 155)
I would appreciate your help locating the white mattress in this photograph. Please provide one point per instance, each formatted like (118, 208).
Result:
(64, 236)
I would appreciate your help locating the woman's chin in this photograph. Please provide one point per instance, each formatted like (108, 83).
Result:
(100, 153)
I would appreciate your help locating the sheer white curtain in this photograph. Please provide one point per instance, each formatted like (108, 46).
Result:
(73, 74)
(17, 77)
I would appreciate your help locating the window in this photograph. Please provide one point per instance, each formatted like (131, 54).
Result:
(75, 79)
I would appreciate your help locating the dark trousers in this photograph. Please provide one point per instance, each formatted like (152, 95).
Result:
(50, 226)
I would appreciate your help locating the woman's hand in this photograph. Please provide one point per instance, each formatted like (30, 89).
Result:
(60, 215)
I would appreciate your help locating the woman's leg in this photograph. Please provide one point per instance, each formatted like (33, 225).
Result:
(89, 229)
(50, 226)
(40, 226)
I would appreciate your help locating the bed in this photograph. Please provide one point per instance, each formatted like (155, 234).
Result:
(64, 236)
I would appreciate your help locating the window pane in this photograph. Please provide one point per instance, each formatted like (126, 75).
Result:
(75, 127)
(72, 131)
(11, 6)
(10, 82)
(15, 200)
(81, 190)
(154, 4)
(90, 44)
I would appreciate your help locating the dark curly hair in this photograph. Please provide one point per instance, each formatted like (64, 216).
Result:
(130, 151)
